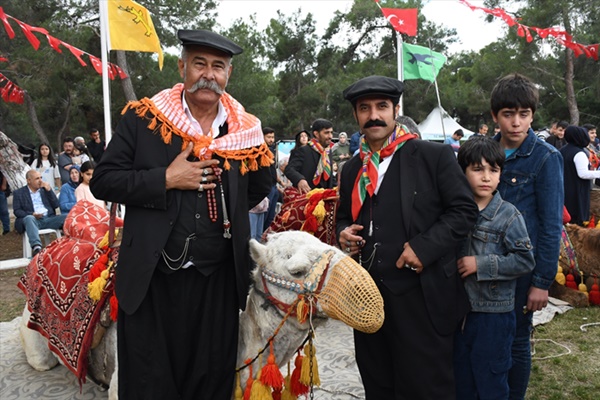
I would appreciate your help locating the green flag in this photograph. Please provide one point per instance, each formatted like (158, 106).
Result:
(420, 62)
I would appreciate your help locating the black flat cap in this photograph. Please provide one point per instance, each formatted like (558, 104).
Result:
(200, 37)
(374, 85)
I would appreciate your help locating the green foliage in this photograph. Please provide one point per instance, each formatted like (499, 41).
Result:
(288, 75)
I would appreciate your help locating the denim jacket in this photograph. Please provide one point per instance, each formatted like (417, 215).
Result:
(532, 180)
(503, 252)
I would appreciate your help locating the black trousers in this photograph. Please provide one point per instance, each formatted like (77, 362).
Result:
(406, 359)
(182, 341)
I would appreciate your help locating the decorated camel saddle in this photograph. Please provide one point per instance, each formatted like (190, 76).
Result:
(298, 283)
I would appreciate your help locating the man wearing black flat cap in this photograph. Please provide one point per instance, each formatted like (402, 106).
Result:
(187, 165)
(405, 206)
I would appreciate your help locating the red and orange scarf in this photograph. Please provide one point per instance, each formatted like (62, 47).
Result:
(324, 165)
(244, 140)
(366, 181)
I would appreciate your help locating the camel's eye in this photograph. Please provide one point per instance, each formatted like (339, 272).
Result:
(297, 274)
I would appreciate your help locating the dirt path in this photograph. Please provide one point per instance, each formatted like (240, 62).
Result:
(12, 299)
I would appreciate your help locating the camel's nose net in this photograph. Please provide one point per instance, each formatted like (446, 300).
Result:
(352, 297)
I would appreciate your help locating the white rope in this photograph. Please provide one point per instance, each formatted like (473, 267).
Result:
(533, 341)
(582, 327)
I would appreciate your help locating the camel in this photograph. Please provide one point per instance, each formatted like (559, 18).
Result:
(291, 266)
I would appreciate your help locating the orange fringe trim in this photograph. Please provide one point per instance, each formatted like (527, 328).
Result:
(251, 158)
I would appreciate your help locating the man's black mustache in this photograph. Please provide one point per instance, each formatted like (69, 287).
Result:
(375, 122)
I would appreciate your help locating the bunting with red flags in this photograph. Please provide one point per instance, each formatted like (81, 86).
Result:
(561, 36)
(28, 30)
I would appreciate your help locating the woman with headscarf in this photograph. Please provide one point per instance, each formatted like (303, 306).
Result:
(67, 197)
(577, 174)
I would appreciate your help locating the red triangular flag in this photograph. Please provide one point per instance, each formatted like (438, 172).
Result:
(404, 20)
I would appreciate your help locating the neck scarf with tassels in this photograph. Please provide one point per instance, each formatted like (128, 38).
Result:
(244, 140)
(366, 181)
(324, 165)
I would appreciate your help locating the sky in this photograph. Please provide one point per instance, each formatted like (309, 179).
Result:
(472, 30)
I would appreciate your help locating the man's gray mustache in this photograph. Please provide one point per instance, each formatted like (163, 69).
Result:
(205, 84)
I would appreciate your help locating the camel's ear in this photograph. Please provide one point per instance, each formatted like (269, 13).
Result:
(258, 252)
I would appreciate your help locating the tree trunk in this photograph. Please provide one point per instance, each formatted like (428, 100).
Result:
(34, 119)
(126, 83)
(12, 165)
(62, 129)
(569, 75)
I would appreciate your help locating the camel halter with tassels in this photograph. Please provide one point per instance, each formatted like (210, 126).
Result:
(350, 296)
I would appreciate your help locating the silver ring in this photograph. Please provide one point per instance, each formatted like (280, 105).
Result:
(201, 188)
(204, 179)
(347, 249)
(206, 171)
(410, 266)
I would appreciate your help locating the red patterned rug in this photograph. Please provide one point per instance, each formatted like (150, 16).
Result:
(299, 212)
(56, 286)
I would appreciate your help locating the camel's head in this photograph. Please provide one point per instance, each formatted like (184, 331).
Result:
(294, 263)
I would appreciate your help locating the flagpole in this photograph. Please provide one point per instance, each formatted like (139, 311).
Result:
(400, 68)
(437, 93)
(105, 87)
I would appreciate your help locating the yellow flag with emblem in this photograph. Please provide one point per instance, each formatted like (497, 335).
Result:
(130, 28)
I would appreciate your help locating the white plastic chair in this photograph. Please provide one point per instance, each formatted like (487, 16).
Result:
(43, 235)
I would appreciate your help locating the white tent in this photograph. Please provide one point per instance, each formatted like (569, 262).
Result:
(432, 127)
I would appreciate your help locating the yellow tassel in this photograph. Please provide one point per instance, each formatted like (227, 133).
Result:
(320, 212)
(560, 276)
(259, 390)
(96, 288)
(302, 311)
(582, 287)
(239, 394)
(310, 359)
(104, 242)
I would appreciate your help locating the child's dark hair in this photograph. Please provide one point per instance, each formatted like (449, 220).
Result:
(479, 148)
(514, 91)
(86, 166)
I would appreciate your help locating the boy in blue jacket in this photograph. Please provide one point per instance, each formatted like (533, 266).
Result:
(496, 252)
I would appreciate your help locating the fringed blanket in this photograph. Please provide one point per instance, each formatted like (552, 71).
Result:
(313, 213)
(56, 286)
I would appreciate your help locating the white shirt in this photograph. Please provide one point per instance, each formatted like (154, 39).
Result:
(217, 122)
(383, 167)
(582, 162)
(38, 204)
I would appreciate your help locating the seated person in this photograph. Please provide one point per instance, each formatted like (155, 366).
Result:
(34, 207)
(83, 190)
(67, 192)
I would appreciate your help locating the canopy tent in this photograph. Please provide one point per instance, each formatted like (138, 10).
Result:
(432, 127)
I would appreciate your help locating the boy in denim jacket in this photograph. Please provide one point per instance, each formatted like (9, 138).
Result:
(495, 253)
(532, 180)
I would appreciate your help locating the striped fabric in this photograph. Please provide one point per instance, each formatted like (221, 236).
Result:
(324, 165)
(366, 181)
(244, 140)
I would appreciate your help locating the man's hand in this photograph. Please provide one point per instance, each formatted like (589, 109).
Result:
(408, 259)
(536, 299)
(467, 266)
(349, 240)
(46, 186)
(303, 186)
(190, 175)
(38, 215)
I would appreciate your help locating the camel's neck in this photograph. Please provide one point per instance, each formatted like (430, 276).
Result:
(257, 325)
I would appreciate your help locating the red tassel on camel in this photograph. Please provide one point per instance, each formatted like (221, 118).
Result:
(297, 388)
(571, 281)
(270, 374)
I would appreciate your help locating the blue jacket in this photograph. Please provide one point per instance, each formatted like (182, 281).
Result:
(67, 198)
(503, 252)
(532, 180)
(23, 205)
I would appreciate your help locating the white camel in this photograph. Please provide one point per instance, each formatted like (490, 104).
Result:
(291, 265)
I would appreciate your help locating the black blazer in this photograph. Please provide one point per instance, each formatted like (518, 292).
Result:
(23, 205)
(302, 165)
(437, 211)
(132, 172)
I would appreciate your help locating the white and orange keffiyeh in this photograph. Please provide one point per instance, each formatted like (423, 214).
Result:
(244, 140)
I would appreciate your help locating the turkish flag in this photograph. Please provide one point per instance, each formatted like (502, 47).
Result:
(404, 20)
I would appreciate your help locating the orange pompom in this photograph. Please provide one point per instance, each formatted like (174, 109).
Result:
(270, 374)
